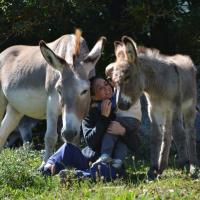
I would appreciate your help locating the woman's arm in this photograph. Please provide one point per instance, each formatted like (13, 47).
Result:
(93, 127)
(116, 128)
(128, 129)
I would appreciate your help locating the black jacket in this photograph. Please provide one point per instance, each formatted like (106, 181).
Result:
(94, 126)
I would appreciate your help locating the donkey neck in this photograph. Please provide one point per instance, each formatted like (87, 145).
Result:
(154, 83)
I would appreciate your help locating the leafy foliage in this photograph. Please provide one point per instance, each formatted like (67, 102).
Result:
(169, 25)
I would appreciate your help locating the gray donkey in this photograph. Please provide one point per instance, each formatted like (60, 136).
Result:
(169, 83)
(46, 81)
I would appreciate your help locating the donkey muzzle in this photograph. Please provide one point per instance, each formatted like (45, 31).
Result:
(69, 135)
(123, 102)
(124, 105)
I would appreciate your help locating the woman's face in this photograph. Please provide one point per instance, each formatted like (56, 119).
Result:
(102, 89)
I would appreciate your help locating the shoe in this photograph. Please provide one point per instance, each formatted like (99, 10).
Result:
(117, 163)
(104, 158)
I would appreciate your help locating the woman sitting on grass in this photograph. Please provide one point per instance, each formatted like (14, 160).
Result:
(107, 136)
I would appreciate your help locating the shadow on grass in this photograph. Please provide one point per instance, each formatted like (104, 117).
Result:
(136, 178)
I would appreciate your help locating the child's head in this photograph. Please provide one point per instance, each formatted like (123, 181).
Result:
(100, 89)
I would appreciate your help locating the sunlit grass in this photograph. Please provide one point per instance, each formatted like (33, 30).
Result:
(19, 179)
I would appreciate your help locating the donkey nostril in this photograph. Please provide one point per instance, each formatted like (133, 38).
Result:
(69, 135)
(124, 106)
(127, 78)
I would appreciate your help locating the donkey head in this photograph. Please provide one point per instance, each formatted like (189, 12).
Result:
(72, 87)
(125, 72)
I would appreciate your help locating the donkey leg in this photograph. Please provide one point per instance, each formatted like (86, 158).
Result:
(9, 123)
(3, 104)
(25, 132)
(51, 137)
(165, 147)
(179, 137)
(189, 120)
(158, 122)
(156, 140)
(51, 134)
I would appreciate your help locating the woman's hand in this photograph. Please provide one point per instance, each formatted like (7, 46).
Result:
(51, 167)
(106, 107)
(116, 128)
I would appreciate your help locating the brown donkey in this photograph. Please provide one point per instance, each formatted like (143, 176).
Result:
(169, 83)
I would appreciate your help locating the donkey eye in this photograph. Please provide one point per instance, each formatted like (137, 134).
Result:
(58, 88)
(84, 92)
(126, 79)
(59, 92)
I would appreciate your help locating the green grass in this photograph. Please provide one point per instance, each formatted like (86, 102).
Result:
(19, 179)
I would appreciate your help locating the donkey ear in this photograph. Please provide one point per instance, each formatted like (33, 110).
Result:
(119, 50)
(118, 44)
(109, 70)
(130, 49)
(52, 59)
(92, 58)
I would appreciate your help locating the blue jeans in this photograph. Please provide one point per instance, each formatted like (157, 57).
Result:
(68, 156)
(113, 146)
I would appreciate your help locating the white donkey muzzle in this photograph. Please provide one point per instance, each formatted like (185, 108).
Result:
(123, 102)
(71, 127)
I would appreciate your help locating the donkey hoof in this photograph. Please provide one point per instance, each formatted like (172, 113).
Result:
(185, 167)
(191, 169)
(152, 174)
(194, 172)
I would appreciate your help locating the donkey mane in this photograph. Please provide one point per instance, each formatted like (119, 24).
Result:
(155, 55)
(78, 34)
(77, 45)
(151, 52)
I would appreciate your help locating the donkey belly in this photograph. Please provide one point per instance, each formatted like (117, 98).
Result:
(30, 102)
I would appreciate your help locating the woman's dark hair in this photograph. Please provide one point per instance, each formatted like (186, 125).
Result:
(92, 82)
